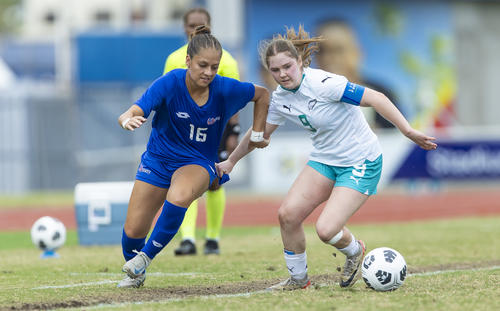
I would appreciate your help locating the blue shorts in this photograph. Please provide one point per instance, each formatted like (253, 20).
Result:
(158, 172)
(363, 178)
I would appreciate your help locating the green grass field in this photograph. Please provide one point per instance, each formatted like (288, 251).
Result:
(453, 265)
(37, 199)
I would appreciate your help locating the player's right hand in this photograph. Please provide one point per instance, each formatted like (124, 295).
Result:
(133, 123)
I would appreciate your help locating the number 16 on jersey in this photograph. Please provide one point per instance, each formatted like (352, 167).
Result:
(200, 134)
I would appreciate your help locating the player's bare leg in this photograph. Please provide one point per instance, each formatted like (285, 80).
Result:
(145, 201)
(330, 226)
(309, 190)
(187, 183)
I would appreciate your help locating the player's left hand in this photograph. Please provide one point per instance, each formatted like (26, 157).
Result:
(224, 167)
(424, 141)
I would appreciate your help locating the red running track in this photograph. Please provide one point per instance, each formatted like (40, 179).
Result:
(263, 211)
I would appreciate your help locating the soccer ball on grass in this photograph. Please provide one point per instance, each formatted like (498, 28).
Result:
(48, 233)
(384, 269)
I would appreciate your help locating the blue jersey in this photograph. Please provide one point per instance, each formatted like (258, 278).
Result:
(183, 130)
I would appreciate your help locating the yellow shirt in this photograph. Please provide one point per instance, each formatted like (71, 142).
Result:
(228, 66)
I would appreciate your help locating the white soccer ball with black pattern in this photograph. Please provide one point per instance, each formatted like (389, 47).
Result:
(384, 269)
(48, 233)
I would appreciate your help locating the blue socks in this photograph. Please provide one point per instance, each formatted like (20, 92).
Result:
(130, 244)
(166, 227)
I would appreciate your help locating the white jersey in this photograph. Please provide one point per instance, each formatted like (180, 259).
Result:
(339, 132)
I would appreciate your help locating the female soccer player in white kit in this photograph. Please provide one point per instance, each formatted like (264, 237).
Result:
(346, 162)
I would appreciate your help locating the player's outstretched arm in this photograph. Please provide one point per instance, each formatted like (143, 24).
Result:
(261, 106)
(386, 108)
(243, 149)
(132, 118)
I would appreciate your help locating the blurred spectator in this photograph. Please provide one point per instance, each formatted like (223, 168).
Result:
(340, 54)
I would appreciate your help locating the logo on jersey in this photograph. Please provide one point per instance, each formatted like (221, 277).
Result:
(144, 170)
(311, 104)
(288, 107)
(182, 115)
(211, 121)
(323, 81)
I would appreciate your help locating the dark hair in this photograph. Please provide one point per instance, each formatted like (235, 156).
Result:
(196, 10)
(200, 39)
(296, 44)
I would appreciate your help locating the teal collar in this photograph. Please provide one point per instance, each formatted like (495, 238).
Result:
(298, 87)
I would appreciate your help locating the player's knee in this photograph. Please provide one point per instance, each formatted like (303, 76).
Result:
(180, 197)
(135, 231)
(287, 217)
(328, 232)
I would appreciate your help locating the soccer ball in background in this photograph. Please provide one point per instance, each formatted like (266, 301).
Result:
(48, 233)
(384, 269)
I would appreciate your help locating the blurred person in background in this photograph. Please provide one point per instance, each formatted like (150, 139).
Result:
(346, 162)
(192, 108)
(216, 196)
(340, 53)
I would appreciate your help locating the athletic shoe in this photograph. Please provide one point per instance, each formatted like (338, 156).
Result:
(186, 248)
(291, 284)
(211, 247)
(129, 282)
(136, 266)
(352, 267)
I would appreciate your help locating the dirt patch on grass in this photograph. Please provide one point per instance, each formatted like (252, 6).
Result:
(146, 294)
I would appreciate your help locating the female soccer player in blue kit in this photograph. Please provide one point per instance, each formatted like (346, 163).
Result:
(192, 107)
(346, 162)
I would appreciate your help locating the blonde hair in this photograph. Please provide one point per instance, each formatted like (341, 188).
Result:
(297, 44)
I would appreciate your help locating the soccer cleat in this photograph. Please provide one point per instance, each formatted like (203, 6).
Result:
(129, 282)
(291, 284)
(186, 248)
(352, 267)
(136, 266)
(211, 247)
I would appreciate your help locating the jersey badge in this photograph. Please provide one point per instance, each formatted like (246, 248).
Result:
(311, 104)
(211, 121)
(288, 107)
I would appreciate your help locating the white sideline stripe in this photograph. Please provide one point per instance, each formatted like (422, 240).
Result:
(232, 295)
(451, 271)
(149, 273)
(112, 281)
(76, 285)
